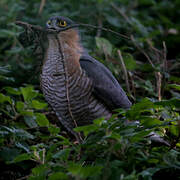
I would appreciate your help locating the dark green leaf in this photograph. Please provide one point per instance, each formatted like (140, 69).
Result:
(84, 172)
(58, 176)
(22, 157)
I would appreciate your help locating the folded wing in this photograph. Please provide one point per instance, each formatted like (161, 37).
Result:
(106, 87)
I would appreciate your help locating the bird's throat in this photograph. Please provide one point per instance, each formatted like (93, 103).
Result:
(62, 54)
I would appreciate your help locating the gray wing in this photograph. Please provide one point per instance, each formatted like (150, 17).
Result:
(106, 87)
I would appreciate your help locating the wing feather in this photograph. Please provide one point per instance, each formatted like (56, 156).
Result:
(106, 87)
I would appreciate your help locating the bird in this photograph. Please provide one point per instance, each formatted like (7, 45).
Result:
(78, 87)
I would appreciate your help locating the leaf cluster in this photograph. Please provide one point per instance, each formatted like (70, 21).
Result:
(140, 143)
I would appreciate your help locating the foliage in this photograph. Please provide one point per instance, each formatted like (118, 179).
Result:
(33, 145)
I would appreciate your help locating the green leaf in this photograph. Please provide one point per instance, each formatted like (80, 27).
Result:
(30, 121)
(19, 132)
(27, 113)
(129, 61)
(84, 172)
(86, 129)
(23, 146)
(175, 86)
(139, 136)
(8, 154)
(41, 119)
(4, 98)
(20, 106)
(40, 170)
(38, 105)
(11, 90)
(22, 157)
(174, 130)
(104, 45)
(4, 33)
(23, 134)
(98, 121)
(136, 109)
(7, 79)
(149, 121)
(62, 154)
(114, 135)
(171, 102)
(147, 173)
(28, 93)
(65, 140)
(58, 176)
(53, 129)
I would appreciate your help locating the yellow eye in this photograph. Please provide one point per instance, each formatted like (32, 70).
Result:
(62, 23)
(49, 22)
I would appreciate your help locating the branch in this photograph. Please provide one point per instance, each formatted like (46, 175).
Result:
(98, 34)
(105, 29)
(45, 30)
(164, 56)
(124, 71)
(43, 2)
(121, 13)
(141, 50)
(158, 84)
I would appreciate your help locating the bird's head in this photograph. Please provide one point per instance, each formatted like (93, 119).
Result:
(66, 30)
(59, 23)
(67, 34)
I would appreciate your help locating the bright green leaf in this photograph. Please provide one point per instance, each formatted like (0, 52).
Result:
(38, 105)
(11, 90)
(175, 86)
(28, 93)
(4, 98)
(41, 119)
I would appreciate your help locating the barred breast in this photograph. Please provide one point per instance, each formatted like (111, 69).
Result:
(70, 95)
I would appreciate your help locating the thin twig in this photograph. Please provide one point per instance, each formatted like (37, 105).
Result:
(124, 71)
(39, 28)
(154, 50)
(121, 13)
(141, 50)
(159, 83)
(164, 56)
(133, 86)
(43, 2)
(152, 47)
(43, 156)
(27, 25)
(105, 29)
(98, 34)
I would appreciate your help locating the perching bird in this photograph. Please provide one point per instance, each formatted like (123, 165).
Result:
(77, 87)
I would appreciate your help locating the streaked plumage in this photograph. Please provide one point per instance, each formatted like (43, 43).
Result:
(78, 87)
